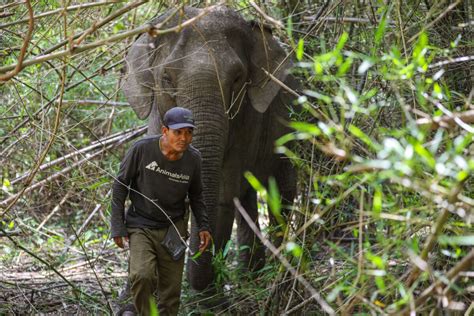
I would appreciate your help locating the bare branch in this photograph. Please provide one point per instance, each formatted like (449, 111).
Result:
(71, 8)
(277, 23)
(26, 42)
(153, 30)
(39, 184)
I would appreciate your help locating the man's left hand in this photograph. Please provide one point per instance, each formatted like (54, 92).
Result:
(205, 238)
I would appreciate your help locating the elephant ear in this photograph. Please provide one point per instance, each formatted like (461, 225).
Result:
(138, 81)
(266, 55)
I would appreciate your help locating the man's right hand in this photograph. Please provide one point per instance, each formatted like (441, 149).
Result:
(119, 241)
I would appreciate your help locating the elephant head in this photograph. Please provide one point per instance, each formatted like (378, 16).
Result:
(217, 67)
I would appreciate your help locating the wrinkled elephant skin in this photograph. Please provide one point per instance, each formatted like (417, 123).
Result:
(216, 67)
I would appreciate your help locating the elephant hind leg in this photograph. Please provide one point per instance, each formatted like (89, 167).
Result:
(252, 252)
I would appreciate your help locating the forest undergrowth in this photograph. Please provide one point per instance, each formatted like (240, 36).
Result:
(382, 140)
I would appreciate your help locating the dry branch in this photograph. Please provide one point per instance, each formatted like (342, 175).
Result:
(71, 8)
(277, 23)
(100, 143)
(462, 265)
(153, 30)
(24, 47)
(64, 171)
(435, 231)
(95, 102)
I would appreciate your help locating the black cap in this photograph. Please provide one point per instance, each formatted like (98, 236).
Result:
(178, 117)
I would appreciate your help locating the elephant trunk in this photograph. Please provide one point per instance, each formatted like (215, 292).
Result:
(203, 98)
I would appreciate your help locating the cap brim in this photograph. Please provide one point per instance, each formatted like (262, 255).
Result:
(181, 125)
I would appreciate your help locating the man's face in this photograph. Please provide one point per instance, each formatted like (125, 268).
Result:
(179, 139)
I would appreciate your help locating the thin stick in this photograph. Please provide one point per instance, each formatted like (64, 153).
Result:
(277, 23)
(49, 13)
(435, 231)
(462, 265)
(26, 42)
(153, 30)
(314, 294)
(93, 270)
(62, 172)
(100, 143)
(55, 209)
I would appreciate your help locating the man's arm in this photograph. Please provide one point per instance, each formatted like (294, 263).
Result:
(120, 190)
(198, 208)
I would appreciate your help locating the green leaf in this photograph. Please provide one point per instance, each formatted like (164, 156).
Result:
(274, 199)
(289, 27)
(256, 185)
(354, 130)
(306, 128)
(227, 248)
(6, 183)
(381, 29)
(377, 202)
(295, 249)
(380, 284)
(425, 154)
(342, 41)
(300, 49)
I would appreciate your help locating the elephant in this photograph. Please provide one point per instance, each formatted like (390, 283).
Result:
(218, 68)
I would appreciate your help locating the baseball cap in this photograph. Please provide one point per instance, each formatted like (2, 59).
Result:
(178, 117)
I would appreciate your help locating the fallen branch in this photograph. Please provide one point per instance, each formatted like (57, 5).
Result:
(314, 294)
(24, 47)
(54, 211)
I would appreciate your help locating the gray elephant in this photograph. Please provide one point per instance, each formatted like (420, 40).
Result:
(217, 68)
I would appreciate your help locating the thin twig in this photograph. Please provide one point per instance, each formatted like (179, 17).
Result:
(273, 21)
(153, 30)
(100, 143)
(435, 231)
(76, 234)
(24, 47)
(64, 171)
(54, 12)
(314, 294)
(442, 15)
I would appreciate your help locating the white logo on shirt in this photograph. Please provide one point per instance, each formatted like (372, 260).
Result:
(179, 177)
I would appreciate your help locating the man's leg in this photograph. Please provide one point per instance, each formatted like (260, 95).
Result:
(143, 277)
(170, 274)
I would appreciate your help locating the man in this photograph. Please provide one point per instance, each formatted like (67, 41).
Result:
(158, 173)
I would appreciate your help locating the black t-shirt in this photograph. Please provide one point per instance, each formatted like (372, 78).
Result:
(151, 180)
